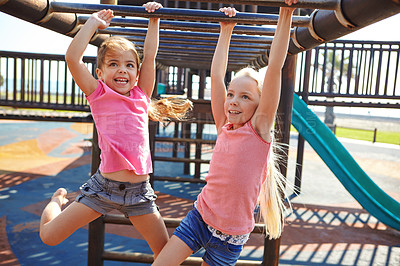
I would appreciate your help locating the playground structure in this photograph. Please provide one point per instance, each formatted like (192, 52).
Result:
(192, 55)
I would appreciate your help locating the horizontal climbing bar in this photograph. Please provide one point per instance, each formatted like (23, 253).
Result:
(201, 54)
(187, 35)
(149, 258)
(175, 13)
(169, 222)
(199, 43)
(205, 59)
(186, 26)
(202, 48)
(312, 4)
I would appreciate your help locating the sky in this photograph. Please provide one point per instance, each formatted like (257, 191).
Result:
(27, 37)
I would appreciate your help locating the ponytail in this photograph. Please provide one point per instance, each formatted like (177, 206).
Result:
(272, 207)
(169, 108)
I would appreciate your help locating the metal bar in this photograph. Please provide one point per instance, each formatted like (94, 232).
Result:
(180, 179)
(166, 139)
(65, 82)
(349, 70)
(341, 69)
(187, 35)
(359, 65)
(396, 72)
(199, 43)
(147, 258)
(180, 160)
(186, 26)
(166, 51)
(331, 81)
(387, 71)
(316, 67)
(32, 80)
(324, 69)
(355, 104)
(96, 242)
(49, 83)
(169, 222)
(282, 126)
(175, 13)
(370, 71)
(15, 80)
(22, 88)
(300, 141)
(58, 80)
(210, 49)
(311, 4)
(378, 72)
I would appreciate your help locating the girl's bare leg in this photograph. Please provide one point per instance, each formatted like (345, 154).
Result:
(152, 228)
(57, 225)
(174, 253)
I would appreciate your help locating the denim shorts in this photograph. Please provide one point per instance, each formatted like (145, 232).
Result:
(194, 232)
(103, 195)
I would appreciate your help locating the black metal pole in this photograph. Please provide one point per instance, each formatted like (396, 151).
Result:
(175, 13)
(312, 4)
(282, 127)
(300, 140)
(186, 26)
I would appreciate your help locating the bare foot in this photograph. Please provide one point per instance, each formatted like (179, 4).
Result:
(60, 197)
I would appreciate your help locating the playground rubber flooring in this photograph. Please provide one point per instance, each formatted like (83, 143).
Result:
(326, 226)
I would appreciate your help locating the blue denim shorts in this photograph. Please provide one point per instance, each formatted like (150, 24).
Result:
(103, 195)
(194, 232)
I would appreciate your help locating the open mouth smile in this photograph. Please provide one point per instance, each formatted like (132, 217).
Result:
(121, 80)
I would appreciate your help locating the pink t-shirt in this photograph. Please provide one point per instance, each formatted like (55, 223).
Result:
(122, 127)
(237, 170)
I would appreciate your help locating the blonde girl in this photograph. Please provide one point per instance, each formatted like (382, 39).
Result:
(223, 215)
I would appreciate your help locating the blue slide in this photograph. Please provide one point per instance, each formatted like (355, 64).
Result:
(337, 158)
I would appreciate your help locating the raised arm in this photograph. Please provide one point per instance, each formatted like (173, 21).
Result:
(218, 69)
(264, 116)
(147, 73)
(83, 78)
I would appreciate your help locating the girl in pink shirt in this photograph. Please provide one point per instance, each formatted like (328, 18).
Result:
(121, 106)
(242, 168)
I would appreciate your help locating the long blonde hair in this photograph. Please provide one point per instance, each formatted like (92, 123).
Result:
(272, 194)
(271, 203)
(159, 110)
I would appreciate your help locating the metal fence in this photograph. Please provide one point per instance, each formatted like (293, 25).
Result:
(351, 73)
(340, 73)
(40, 81)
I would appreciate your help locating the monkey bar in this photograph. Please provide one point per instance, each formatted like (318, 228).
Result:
(174, 13)
(330, 20)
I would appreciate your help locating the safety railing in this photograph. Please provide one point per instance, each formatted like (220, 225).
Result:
(40, 81)
(351, 73)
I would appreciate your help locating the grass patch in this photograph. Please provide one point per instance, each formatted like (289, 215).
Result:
(368, 135)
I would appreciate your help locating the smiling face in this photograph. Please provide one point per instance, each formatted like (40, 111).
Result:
(241, 101)
(119, 70)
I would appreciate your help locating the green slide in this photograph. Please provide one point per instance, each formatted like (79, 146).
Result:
(337, 158)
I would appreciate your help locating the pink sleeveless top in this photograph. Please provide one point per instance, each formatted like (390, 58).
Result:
(237, 170)
(122, 127)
